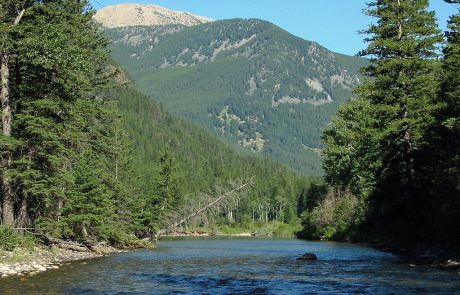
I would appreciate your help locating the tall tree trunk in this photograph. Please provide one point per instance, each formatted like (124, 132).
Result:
(8, 194)
(7, 118)
(22, 219)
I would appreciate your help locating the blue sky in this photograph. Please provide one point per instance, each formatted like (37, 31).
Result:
(332, 23)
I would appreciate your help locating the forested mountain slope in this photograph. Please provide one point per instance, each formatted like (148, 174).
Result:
(246, 80)
(201, 162)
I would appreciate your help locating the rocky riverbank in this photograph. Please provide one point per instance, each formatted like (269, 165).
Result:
(32, 261)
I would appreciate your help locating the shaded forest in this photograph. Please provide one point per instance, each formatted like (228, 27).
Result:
(391, 156)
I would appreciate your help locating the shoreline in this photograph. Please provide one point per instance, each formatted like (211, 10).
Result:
(21, 261)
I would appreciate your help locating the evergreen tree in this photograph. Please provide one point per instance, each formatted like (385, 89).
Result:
(351, 155)
(167, 188)
(377, 147)
(449, 99)
(403, 47)
(60, 57)
(444, 144)
(88, 206)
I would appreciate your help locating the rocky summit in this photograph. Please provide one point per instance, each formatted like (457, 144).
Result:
(125, 15)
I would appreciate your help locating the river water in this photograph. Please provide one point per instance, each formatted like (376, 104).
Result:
(240, 266)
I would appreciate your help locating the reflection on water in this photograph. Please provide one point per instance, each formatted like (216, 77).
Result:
(239, 266)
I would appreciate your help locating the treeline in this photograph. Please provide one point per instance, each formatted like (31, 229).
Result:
(392, 155)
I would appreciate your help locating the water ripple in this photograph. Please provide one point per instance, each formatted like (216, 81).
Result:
(240, 266)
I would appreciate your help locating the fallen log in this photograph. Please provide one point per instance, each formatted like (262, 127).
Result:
(66, 245)
(203, 209)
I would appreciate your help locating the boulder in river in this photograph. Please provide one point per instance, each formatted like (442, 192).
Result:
(308, 256)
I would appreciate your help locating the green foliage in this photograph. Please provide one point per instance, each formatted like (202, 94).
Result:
(392, 153)
(88, 206)
(167, 187)
(245, 67)
(333, 218)
(69, 167)
(92, 160)
(402, 96)
(164, 146)
(352, 152)
(444, 143)
(10, 239)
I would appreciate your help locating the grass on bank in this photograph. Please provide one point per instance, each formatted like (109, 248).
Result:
(14, 246)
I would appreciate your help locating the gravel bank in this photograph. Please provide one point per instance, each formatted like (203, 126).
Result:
(30, 262)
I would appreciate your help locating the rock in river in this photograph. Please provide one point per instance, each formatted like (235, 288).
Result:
(308, 256)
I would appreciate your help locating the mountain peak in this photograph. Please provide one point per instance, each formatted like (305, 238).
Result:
(126, 15)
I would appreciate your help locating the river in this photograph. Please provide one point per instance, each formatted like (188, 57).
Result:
(240, 266)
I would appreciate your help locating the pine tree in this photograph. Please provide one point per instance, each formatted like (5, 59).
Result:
(449, 98)
(88, 208)
(351, 155)
(167, 188)
(61, 56)
(444, 144)
(403, 47)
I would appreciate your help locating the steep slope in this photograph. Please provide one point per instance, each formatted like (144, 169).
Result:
(246, 80)
(203, 161)
(124, 15)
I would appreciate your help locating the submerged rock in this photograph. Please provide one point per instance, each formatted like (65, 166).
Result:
(308, 256)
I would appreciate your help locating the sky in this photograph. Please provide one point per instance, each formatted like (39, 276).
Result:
(332, 23)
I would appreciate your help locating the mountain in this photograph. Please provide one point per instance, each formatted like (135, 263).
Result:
(245, 80)
(124, 15)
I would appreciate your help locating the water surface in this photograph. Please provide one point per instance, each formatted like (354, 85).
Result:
(240, 266)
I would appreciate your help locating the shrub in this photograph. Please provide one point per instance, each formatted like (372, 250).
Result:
(333, 218)
(10, 239)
